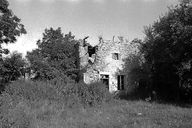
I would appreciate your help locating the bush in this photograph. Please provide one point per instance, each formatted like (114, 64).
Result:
(93, 94)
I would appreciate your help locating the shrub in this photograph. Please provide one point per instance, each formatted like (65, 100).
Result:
(93, 94)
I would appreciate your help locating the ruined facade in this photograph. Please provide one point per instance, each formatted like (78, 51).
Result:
(105, 62)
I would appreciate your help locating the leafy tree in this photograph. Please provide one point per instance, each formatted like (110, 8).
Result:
(10, 26)
(10, 29)
(12, 68)
(167, 50)
(55, 54)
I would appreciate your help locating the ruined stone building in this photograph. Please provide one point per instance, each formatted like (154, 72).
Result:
(105, 62)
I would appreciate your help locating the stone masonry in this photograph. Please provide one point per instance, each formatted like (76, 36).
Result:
(105, 62)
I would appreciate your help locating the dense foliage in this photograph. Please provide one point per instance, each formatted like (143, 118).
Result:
(10, 29)
(12, 68)
(10, 26)
(167, 51)
(55, 55)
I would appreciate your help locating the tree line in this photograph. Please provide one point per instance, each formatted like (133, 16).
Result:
(166, 49)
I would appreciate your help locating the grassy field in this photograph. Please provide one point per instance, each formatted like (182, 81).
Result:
(43, 105)
(116, 114)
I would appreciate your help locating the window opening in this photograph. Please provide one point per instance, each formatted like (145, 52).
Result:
(115, 56)
(92, 50)
(121, 82)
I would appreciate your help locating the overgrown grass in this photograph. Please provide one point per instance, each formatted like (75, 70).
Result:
(25, 101)
(50, 105)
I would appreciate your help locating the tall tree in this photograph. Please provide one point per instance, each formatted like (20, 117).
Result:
(167, 49)
(10, 26)
(55, 54)
(10, 29)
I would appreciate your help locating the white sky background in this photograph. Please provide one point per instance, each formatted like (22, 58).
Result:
(85, 18)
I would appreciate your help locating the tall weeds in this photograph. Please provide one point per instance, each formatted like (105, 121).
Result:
(23, 102)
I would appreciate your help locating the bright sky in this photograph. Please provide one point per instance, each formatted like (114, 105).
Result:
(85, 18)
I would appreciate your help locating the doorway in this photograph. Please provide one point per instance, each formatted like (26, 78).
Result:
(105, 80)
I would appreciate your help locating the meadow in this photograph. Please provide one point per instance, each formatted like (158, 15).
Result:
(41, 105)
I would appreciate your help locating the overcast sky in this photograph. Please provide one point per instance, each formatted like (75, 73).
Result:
(85, 18)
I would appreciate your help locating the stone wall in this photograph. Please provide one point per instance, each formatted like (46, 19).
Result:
(105, 64)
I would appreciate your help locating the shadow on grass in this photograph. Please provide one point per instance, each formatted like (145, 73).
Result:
(149, 97)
